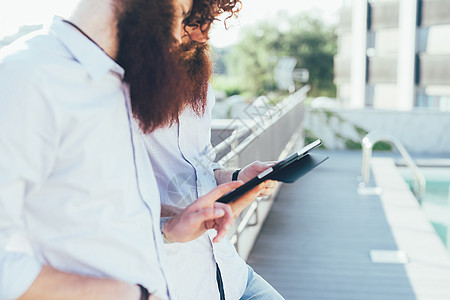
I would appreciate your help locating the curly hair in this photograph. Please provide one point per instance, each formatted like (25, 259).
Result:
(161, 81)
(204, 12)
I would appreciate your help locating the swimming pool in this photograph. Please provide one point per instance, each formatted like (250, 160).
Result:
(436, 202)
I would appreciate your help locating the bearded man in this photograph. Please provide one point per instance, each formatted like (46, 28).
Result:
(79, 209)
(201, 269)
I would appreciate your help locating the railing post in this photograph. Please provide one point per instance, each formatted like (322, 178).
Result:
(367, 146)
(366, 160)
(240, 140)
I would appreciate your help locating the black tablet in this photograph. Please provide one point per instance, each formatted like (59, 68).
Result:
(288, 170)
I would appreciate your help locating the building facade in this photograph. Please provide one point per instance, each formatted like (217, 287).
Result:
(394, 54)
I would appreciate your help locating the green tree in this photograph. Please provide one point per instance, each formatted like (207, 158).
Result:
(305, 38)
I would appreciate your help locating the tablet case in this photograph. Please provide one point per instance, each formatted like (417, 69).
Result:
(298, 168)
(288, 174)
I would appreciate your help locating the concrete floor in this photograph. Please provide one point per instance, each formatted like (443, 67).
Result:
(317, 240)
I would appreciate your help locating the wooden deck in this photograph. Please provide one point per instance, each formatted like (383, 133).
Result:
(316, 241)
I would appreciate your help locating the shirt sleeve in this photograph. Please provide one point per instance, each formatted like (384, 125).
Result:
(26, 151)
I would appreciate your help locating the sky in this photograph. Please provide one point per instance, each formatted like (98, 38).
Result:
(15, 13)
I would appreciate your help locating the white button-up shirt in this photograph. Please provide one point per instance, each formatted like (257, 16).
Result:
(184, 171)
(77, 190)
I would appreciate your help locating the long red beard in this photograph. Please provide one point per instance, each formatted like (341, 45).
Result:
(198, 64)
(156, 77)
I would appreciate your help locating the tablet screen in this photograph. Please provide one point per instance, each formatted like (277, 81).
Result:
(287, 170)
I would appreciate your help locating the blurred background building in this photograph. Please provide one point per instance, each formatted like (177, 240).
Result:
(394, 54)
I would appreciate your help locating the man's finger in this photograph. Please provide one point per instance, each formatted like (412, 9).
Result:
(268, 163)
(216, 193)
(242, 202)
(216, 218)
(261, 166)
(207, 214)
(223, 223)
(270, 184)
(255, 191)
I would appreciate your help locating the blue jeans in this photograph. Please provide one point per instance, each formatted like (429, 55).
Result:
(259, 289)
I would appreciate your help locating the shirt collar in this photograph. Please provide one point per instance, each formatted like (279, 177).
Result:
(96, 62)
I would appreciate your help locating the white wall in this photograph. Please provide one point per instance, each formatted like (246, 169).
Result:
(421, 132)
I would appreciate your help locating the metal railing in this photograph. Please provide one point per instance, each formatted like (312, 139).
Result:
(259, 125)
(263, 138)
(370, 140)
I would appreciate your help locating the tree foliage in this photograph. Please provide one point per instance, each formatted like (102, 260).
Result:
(305, 38)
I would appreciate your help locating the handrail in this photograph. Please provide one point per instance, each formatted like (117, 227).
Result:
(370, 140)
(255, 129)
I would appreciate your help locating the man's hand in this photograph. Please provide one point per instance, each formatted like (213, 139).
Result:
(202, 215)
(238, 205)
(266, 188)
(253, 170)
(170, 211)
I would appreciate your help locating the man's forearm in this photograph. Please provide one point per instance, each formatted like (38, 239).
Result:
(53, 284)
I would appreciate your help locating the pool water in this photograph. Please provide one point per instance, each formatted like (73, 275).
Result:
(436, 202)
